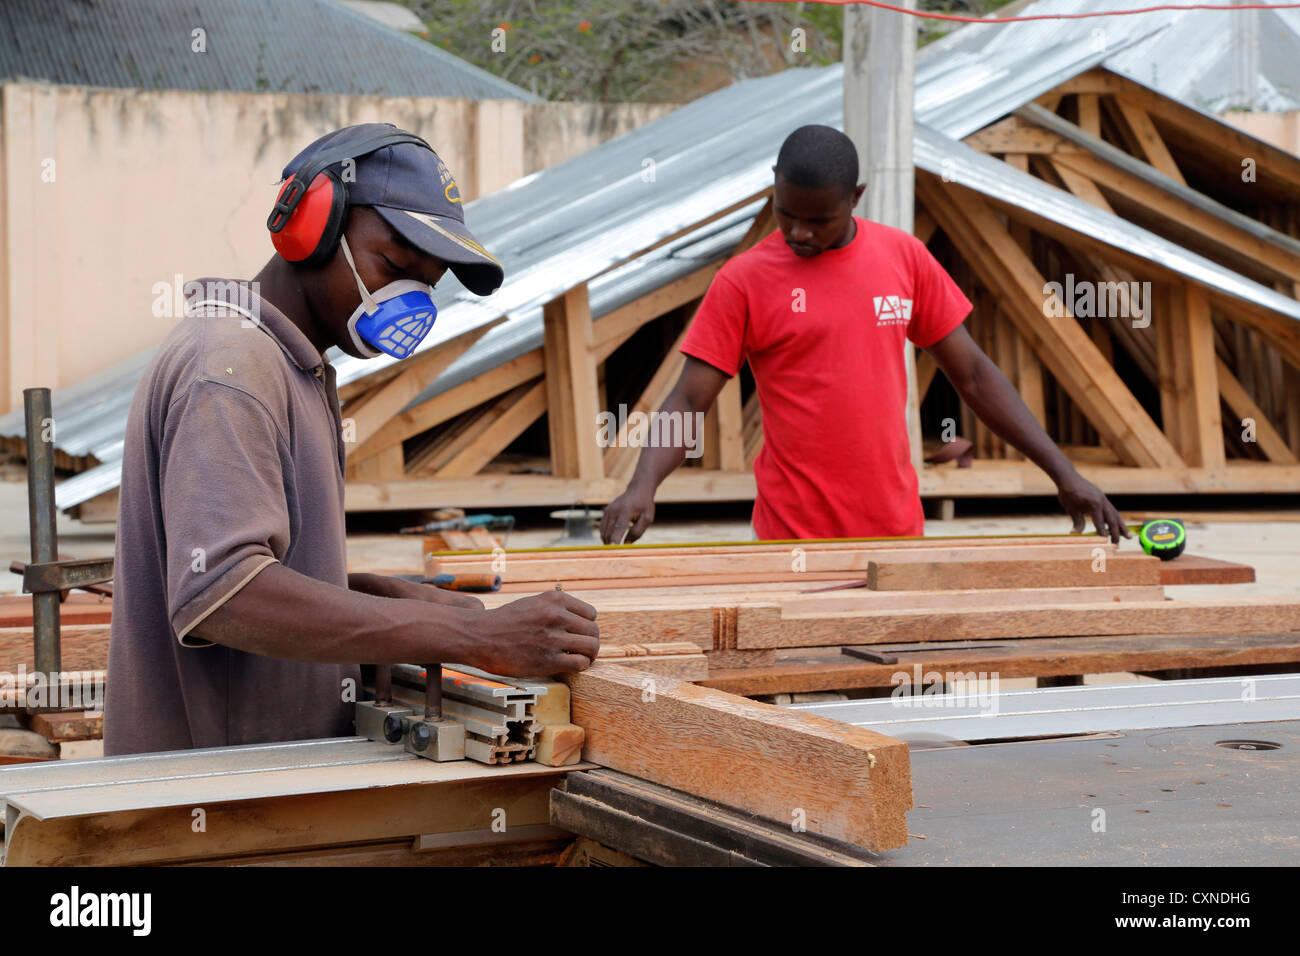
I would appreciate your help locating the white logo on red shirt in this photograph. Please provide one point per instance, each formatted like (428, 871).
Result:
(893, 310)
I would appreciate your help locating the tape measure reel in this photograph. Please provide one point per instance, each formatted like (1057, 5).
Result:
(1163, 537)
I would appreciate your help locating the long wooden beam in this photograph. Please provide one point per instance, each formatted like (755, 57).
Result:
(384, 401)
(1043, 320)
(1222, 234)
(797, 769)
(1214, 136)
(1271, 442)
(571, 386)
(1045, 657)
(1005, 479)
(505, 428)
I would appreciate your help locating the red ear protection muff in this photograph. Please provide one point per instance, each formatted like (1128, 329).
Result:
(311, 207)
(312, 230)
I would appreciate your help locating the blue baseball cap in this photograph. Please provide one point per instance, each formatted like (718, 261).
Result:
(416, 194)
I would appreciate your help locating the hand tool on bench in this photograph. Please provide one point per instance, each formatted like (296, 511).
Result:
(457, 582)
(485, 521)
(1164, 537)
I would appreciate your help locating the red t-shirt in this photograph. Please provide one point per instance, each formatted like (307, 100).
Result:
(824, 337)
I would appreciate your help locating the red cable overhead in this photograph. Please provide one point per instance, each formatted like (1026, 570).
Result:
(1052, 16)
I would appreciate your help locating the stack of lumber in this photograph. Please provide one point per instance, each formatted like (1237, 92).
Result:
(84, 623)
(763, 620)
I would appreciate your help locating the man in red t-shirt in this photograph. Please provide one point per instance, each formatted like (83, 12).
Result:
(820, 310)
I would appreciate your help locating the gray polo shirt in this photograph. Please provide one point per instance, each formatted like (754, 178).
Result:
(233, 460)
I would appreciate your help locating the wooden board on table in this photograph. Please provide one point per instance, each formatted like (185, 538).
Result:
(1195, 569)
(614, 551)
(821, 670)
(68, 725)
(680, 659)
(82, 648)
(912, 573)
(839, 781)
(713, 623)
(758, 626)
(774, 566)
(16, 610)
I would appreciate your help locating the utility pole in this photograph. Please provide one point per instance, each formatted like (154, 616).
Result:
(879, 62)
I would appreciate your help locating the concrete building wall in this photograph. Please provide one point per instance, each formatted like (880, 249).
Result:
(104, 194)
(1279, 129)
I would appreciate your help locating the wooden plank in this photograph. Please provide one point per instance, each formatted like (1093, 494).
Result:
(1081, 186)
(840, 781)
(308, 809)
(495, 490)
(453, 402)
(70, 725)
(680, 659)
(1216, 137)
(571, 386)
(715, 624)
(1271, 443)
(906, 574)
(730, 426)
(613, 328)
(1197, 569)
(1224, 235)
(620, 459)
(1046, 657)
(82, 648)
(16, 610)
(930, 542)
(386, 400)
(1059, 341)
(1153, 147)
(782, 565)
(387, 464)
(1197, 385)
(760, 627)
(1089, 113)
(1017, 136)
(507, 424)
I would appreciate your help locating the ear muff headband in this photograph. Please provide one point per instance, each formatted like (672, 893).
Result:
(311, 208)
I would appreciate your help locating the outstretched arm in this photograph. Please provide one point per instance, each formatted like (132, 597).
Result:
(984, 388)
(631, 512)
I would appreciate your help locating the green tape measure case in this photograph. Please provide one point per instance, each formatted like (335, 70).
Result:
(1163, 537)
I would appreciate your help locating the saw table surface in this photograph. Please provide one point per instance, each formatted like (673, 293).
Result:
(1171, 797)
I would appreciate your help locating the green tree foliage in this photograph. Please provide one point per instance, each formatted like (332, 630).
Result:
(644, 50)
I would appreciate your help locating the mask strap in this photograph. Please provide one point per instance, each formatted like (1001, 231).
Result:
(366, 298)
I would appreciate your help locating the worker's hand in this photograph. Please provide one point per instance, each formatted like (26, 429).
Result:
(634, 509)
(382, 585)
(550, 633)
(1082, 500)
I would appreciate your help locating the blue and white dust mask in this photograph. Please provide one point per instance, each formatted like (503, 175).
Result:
(394, 319)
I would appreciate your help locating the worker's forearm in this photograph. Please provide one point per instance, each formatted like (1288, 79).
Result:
(657, 462)
(997, 403)
(281, 613)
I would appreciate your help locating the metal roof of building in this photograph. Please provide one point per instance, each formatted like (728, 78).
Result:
(573, 222)
(289, 46)
(1213, 60)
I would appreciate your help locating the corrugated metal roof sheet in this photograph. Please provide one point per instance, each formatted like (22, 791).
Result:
(289, 46)
(1213, 60)
(572, 222)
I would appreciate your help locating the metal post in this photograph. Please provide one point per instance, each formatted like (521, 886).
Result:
(42, 522)
(433, 692)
